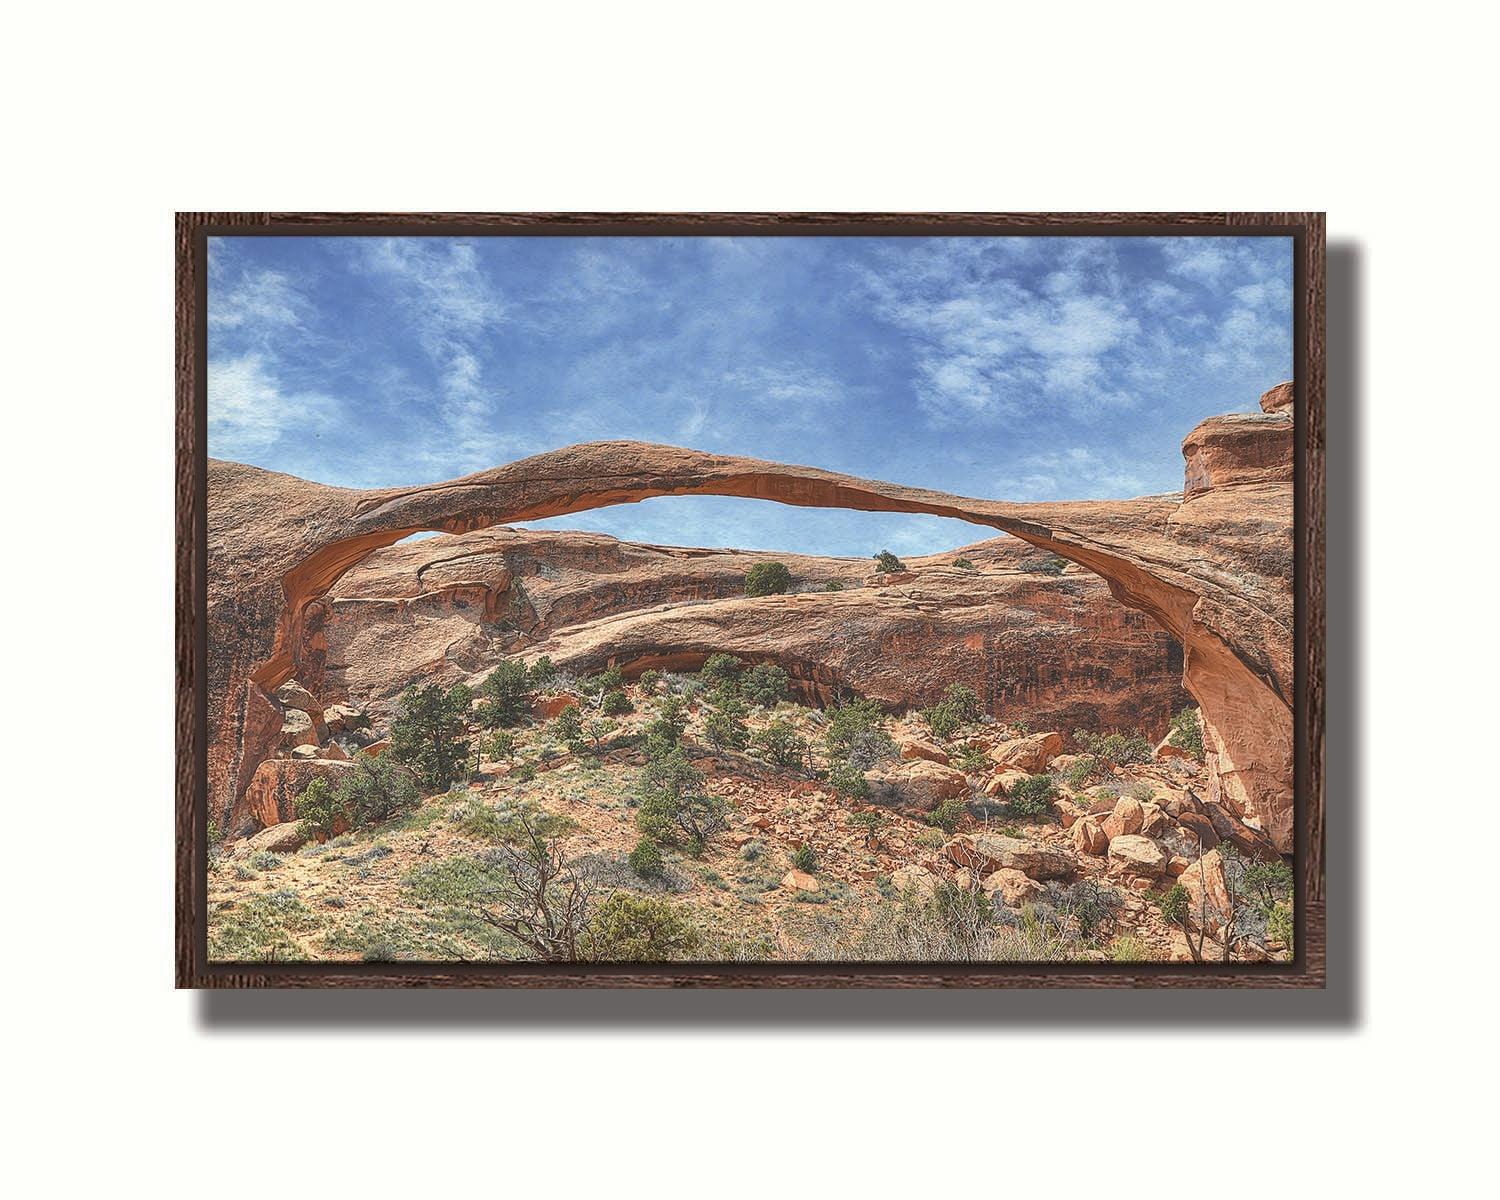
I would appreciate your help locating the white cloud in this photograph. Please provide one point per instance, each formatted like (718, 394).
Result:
(1076, 473)
(248, 410)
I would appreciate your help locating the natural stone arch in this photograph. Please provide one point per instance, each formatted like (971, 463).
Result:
(1210, 571)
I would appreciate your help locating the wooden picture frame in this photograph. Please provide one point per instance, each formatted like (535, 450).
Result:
(193, 968)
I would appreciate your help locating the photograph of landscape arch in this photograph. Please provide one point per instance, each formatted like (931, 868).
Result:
(726, 599)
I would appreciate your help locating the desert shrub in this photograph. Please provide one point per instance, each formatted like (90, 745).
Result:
(1031, 797)
(767, 579)
(502, 745)
(959, 706)
(262, 929)
(1142, 792)
(649, 681)
(721, 667)
(947, 815)
(973, 759)
(1128, 948)
(596, 686)
(1174, 905)
(848, 781)
(1091, 904)
(1118, 749)
(615, 703)
(725, 732)
(964, 564)
(674, 806)
(628, 928)
(869, 821)
(376, 790)
(804, 859)
(1045, 566)
(525, 773)
(752, 850)
(847, 722)
(646, 859)
(542, 672)
(833, 585)
(1084, 771)
(264, 860)
(781, 743)
(886, 562)
(932, 839)
(1280, 927)
(510, 823)
(320, 808)
(765, 684)
(431, 734)
(1187, 732)
(505, 695)
(568, 727)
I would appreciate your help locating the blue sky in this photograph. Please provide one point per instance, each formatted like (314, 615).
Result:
(1038, 368)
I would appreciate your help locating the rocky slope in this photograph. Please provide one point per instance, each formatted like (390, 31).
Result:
(1213, 568)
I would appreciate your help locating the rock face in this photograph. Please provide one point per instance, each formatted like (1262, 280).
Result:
(1059, 649)
(1214, 569)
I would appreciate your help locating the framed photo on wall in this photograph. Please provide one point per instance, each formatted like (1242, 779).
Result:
(750, 600)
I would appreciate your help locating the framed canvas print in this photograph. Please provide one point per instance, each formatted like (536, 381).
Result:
(750, 600)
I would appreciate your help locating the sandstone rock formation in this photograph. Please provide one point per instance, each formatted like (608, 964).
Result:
(1058, 649)
(1214, 568)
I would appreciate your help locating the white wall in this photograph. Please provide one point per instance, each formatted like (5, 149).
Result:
(115, 1077)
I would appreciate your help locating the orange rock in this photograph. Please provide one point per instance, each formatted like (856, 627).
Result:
(1089, 838)
(799, 881)
(1029, 755)
(1136, 855)
(919, 749)
(1013, 888)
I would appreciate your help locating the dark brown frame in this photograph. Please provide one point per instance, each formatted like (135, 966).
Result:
(193, 969)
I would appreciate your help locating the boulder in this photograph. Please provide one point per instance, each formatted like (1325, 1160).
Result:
(799, 881)
(1089, 838)
(918, 880)
(1165, 749)
(916, 748)
(1068, 812)
(1250, 842)
(920, 784)
(1012, 887)
(987, 854)
(1126, 817)
(1154, 821)
(307, 752)
(341, 718)
(1209, 905)
(270, 798)
(292, 694)
(278, 839)
(1278, 398)
(1136, 855)
(1030, 754)
(297, 729)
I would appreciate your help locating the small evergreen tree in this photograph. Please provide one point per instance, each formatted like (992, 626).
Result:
(430, 735)
(767, 579)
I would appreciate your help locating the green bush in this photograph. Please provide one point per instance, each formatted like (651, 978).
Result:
(947, 815)
(649, 681)
(721, 666)
(1031, 797)
(767, 579)
(264, 860)
(502, 746)
(377, 789)
(615, 702)
(610, 680)
(886, 562)
(506, 695)
(848, 781)
(320, 808)
(1187, 732)
(674, 806)
(628, 928)
(646, 859)
(765, 684)
(568, 727)
(964, 564)
(958, 707)
(1117, 748)
(725, 731)
(804, 859)
(847, 722)
(542, 672)
(1045, 566)
(833, 585)
(781, 743)
(431, 734)
(973, 759)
